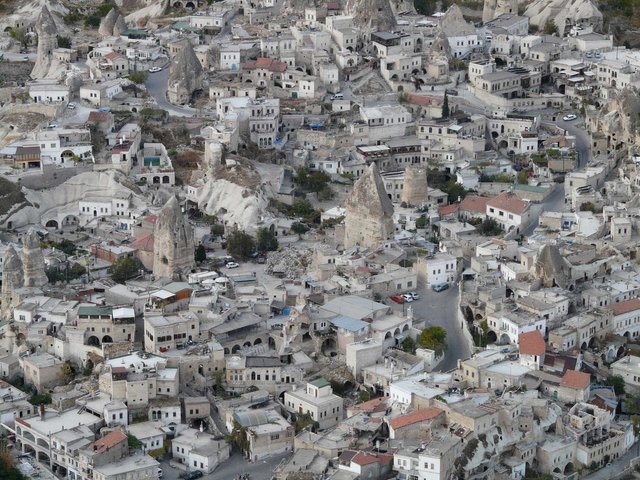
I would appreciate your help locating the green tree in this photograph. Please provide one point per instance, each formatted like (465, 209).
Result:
(434, 338)
(617, 382)
(299, 228)
(421, 222)
(138, 77)
(92, 21)
(217, 230)
(455, 191)
(240, 244)
(489, 227)
(125, 268)
(445, 106)
(104, 9)
(300, 208)
(550, 28)
(364, 396)
(8, 470)
(20, 35)
(40, 399)
(523, 178)
(588, 207)
(67, 372)
(64, 42)
(238, 437)
(200, 254)
(266, 241)
(408, 345)
(133, 441)
(425, 7)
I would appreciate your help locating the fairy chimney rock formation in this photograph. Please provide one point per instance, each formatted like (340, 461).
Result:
(47, 43)
(33, 260)
(173, 245)
(185, 73)
(372, 15)
(369, 212)
(112, 24)
(414, 191)
(12, 277)
(494, 8)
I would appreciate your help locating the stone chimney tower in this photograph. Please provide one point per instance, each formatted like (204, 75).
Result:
(173, 245)
(414, 191)
(33, 260)
(47, 42)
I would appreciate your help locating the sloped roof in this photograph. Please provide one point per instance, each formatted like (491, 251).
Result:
(626, 306)
(110, 440)
(509, 202)
(575, 379)
(415, 417)
(531, 343)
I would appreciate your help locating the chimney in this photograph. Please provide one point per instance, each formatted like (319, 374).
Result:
(41, 411)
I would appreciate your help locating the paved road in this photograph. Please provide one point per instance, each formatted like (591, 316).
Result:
(18, 57)
(157, 87)
(582, 145)
(441, 309)
(229, 470)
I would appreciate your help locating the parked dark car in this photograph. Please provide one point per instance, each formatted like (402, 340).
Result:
(193, 475)
(440, 287)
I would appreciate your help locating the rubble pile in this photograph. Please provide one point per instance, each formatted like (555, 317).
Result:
(290, 263)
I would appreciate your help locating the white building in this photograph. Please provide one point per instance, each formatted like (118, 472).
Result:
(319, 401)
(199, 450)
(441, 268)
(509, 211)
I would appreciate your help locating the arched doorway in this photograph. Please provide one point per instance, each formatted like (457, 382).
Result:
(329, 347)
(257, 341)
(93, 341)
(492, 337)
(107, 339)
(246, 344)
(272, 343)
(51, 224)
(235, 349)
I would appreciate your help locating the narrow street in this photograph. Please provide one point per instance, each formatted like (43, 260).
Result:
(157, 87)
(236, 465)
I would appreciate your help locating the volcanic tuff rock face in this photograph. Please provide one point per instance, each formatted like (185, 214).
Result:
(559, 11)
(112, 24)
(47, 42)
(12, 277)
(33, 260)
(493, 8)
(551, 268)
(620, 119)
(414, 191)
(185, 74)
(369, 212)
(453, 23)
(173, 245)
(372, 15)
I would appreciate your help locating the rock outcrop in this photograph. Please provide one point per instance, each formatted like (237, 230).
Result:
(493, 8)
(33, 260)
(619, 121)
(47, 31)
(372, 15)
(12, 277)
(369, 212)
(112, 24)
(453, 23)
(563, 12)
(414, 191)
(552, 269)
(185, 74)
(173, 246)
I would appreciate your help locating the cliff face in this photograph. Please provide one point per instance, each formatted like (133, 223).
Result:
(620, 120)
(561, 11)
(493, 8)
(369, 212)
(372, 15)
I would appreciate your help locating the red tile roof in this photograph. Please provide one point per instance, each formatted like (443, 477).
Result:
(575, 379)
(424, 100)
(113, 56)
(144, 243)
(372, 405)
(266, 63)
(531, 343)
(99, 117)
(415, 417)
(626, 306)
(448, 209)
(110, 440)
(509, 202)
(367, 458)
(475, 204)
